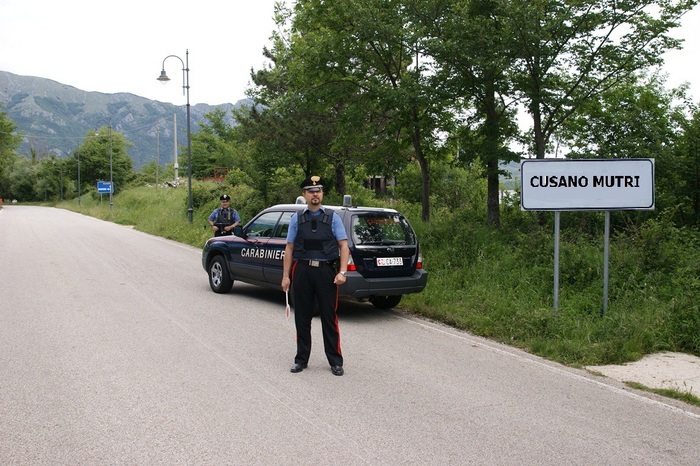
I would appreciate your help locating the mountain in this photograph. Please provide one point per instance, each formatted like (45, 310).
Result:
(55, 117)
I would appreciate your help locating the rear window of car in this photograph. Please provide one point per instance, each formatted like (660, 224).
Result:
(379, 229)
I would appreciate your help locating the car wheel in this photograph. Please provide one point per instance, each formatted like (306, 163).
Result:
(385, 302)
(219, 278)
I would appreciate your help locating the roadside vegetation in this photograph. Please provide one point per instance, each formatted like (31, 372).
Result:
(682, 395)
(498, 283)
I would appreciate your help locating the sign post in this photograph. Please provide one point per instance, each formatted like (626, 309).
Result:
(586, 184)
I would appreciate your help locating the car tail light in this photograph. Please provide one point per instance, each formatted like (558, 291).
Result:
(351, 265)
(419, 263)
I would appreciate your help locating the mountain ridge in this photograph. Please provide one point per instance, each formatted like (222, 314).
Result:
(54, 118)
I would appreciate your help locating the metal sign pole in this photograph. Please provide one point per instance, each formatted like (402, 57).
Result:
(557, 220)
(606, 261)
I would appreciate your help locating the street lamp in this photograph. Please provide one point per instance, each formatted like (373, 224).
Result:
(185, 90)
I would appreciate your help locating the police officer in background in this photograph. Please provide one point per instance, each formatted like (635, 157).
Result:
(316, 260)
(224, 218)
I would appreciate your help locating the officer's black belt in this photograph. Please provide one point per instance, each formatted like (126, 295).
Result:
(313, 263)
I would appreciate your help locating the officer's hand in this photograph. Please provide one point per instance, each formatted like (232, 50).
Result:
(339, 279)
(215, 228)
(285, 284)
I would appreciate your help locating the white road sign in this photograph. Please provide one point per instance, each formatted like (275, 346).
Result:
(587, 184)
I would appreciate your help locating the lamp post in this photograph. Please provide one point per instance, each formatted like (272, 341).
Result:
(61, 165)
(186, 90)
(77, 153)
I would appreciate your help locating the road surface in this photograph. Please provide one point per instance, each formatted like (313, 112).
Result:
(113, 350)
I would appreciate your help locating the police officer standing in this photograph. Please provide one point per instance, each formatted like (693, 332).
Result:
(316, 261)
(223, 219)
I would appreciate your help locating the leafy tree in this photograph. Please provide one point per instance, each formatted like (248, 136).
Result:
(348, 70)
(639, 118)
(688, 152)
(214, 146)
(568, 53)
(9, 142)
(636, 118)
(94, 154)
(23, 180)
(471, 51)
(283, 129)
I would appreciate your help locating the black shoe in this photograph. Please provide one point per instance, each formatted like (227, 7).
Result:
(337, 370)
(298, 367)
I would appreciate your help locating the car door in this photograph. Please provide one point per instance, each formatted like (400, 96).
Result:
(277, 243)
(248, 264)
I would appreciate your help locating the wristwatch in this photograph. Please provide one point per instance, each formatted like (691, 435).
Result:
(344, 274)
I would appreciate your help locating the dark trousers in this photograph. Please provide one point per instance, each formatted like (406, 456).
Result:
(311, 285)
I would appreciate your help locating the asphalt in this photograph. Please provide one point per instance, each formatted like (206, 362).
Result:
(666, 370)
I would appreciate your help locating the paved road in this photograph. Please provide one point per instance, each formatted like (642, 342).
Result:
(113, 350)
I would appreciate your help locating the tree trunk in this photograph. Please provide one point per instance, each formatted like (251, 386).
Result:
(340, 179)
(424, 168)
(492, 145)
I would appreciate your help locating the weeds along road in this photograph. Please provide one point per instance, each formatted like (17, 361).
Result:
(113, 350)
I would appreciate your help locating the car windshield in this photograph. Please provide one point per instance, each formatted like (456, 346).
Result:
(382, 229)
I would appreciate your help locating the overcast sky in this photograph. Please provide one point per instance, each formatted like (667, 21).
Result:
(120, 46)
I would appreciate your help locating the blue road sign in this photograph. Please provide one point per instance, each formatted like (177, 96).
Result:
(104, 187)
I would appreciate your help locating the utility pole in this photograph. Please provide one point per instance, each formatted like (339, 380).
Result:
(175, 146)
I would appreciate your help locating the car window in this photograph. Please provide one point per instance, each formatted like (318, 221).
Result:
(283, 225)
(382, 229)
(263, 226)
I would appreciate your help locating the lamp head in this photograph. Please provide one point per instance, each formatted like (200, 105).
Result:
(163, 77)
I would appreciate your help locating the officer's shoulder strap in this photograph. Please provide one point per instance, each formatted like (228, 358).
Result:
(327, 216)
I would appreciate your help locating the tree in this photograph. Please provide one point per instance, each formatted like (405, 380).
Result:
(688, 152)
(23, 180)
(289, 123)
(95, 152)
(214, 146)
(568, 53)
(639, 118)
(470, 48)
(9, 142)
(636, 118)
(357, 67)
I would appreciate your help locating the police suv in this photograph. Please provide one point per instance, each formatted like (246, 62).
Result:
(385, 258)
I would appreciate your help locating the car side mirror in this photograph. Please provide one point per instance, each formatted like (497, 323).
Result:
(238, 231)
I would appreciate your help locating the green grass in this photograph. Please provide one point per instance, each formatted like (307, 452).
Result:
(498, 283)
(686, 396)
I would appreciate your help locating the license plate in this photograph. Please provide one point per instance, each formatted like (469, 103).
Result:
(389, 261)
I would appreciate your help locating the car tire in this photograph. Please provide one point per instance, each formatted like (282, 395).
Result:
(385, 302)
(219, 277)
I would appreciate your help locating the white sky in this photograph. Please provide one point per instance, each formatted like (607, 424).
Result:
(120, 46)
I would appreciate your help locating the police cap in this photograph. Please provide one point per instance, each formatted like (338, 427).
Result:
(225, 197)
(312, 183)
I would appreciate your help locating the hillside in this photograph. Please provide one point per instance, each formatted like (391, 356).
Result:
(54, 117)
